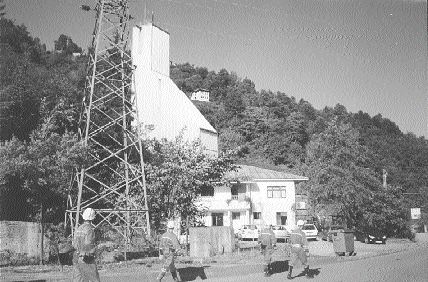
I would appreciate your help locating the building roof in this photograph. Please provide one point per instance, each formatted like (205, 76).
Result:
(201, 89)
(247, 173)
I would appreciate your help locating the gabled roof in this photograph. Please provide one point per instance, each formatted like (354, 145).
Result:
(247, 173)
(201, 89)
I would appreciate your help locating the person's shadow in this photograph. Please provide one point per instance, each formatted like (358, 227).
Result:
(191, 273)
(282, 266)
(279, 266)
(312, 273)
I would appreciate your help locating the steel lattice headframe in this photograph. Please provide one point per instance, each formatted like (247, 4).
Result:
(113, 181)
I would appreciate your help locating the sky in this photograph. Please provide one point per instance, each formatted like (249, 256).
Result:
(368, 55)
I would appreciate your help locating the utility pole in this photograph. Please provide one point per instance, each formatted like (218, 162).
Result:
(113, 180)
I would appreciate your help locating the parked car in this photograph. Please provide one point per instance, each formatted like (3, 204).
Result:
(310, 231)
(370, 236)
(328, 233)
(281, 233)
(249, 232)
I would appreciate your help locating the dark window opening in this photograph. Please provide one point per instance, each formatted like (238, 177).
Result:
(217, 219)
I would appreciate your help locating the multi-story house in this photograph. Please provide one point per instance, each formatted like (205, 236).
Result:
(254, 196)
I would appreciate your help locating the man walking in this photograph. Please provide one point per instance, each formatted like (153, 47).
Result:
(299, 249)
(85, 268)
(168, 247)
(267, 243)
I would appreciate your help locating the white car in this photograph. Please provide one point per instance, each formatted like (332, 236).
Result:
(248, 232)
(310, 231)
(281, 233)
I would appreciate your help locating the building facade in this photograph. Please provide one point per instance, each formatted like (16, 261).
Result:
(202, 95)
(255, 196)
(164, 111)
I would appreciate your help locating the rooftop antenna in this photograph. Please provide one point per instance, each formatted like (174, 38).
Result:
(145, 12)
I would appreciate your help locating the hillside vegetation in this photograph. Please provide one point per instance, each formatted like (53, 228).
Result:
(344, 154)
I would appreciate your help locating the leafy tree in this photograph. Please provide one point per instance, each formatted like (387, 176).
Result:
(232, 141)
(13, 195)
(339, 182)
(176, 171)
(66, 45)
(37, 173)
(233, 102)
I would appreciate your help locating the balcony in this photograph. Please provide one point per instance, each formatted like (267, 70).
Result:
(235, 203)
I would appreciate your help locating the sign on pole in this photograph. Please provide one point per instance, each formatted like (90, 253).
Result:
(415, 213)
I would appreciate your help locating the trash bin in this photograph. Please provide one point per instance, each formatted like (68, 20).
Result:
(343, 243)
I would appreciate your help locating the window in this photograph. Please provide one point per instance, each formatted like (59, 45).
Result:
(207, 191)
(257, 215)
(236, 215)
(276, 191)
(217, 219)
(309, 227)
(281, 218)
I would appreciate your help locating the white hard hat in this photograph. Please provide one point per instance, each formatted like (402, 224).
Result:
(88, 214)
(300, 222)
(170, 224)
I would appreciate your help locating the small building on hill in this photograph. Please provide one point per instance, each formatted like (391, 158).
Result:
(200, 94)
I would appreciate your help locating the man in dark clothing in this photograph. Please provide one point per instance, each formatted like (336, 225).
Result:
(85, 268)
(299, 249)
(267, 243)
(168, 248)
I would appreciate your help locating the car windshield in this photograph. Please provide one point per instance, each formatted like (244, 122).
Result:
(308, 227)
(252, 227)
(278, 227)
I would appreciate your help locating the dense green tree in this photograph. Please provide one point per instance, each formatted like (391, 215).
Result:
(233, 102)
(176, 171)
(65, 44)
(340, 183)
(37, 173)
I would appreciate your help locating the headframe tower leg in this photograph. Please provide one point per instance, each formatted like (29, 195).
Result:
(113, 180)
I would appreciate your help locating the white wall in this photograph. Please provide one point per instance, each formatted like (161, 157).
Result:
(163, 109)
(270, 206)
(260, 203)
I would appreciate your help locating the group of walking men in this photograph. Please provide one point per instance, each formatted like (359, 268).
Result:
(85, 268)
(298, 249)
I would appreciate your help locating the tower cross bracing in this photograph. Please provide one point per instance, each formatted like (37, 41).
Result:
(112, 181)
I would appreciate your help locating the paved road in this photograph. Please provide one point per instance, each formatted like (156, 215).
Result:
(410, 265)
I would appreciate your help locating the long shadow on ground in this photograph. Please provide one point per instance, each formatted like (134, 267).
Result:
(192, 273)
(312, 273)
(279, 266)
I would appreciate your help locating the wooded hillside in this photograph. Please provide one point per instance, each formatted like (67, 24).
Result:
(344, 154)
